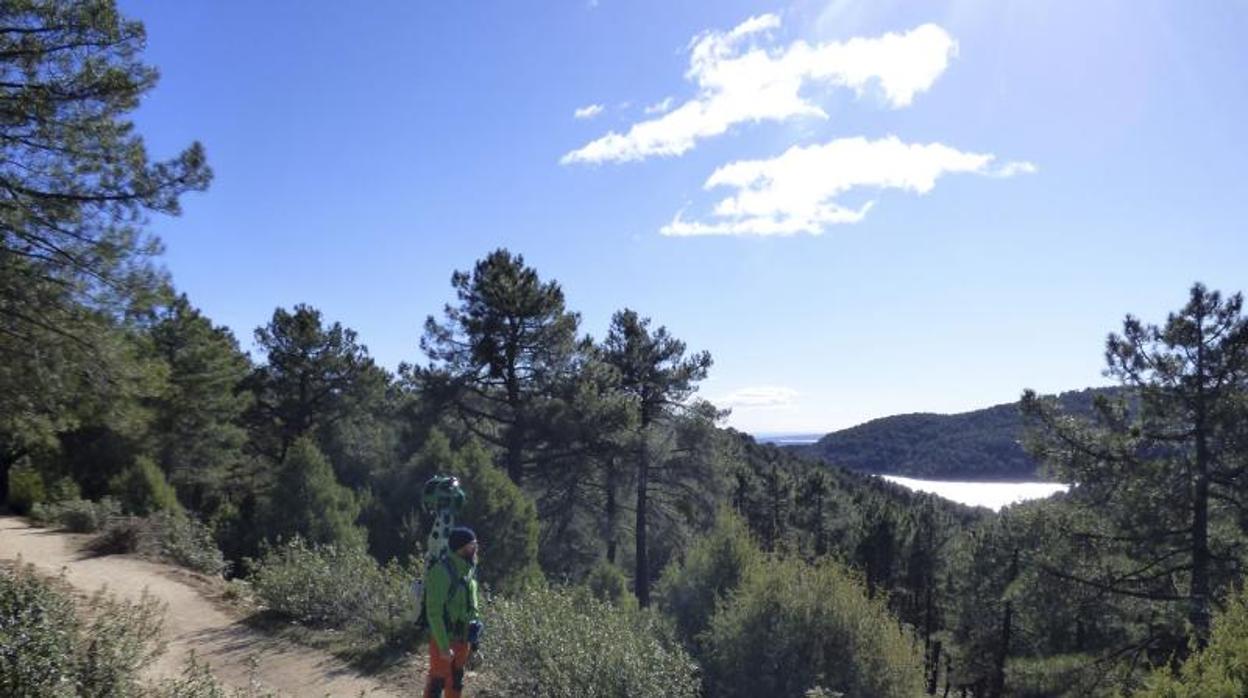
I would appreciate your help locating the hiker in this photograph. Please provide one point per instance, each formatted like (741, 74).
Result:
(453, 613)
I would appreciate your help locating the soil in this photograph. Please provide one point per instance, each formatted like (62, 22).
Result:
(196, 619)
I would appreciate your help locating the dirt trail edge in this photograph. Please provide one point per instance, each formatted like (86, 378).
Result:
(192, 622)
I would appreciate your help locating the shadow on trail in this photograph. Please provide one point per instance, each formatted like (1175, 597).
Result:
(359, 654)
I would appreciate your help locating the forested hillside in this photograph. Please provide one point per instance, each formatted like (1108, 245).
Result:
(984, 444)
(631, 545)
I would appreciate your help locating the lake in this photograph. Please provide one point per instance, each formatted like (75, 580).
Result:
(993, 495)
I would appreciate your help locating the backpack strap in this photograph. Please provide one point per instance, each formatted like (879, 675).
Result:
(457, 582)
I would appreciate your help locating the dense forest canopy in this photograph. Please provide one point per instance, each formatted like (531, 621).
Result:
(984, 444)
(606, 491)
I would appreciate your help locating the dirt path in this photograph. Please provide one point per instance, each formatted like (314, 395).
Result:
(192, 621)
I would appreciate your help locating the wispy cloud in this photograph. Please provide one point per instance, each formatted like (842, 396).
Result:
(588, 112)
(798, 191)
(661, 107)
(739, 81)
(762, 396)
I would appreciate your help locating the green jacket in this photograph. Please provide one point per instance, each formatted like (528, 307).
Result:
(449, 603)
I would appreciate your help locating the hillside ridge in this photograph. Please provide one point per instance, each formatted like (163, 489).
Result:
(983, 444)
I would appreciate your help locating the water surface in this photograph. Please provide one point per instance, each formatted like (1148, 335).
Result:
(993, 495)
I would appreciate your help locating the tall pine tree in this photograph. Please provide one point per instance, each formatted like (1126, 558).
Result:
(1164, 470)
(502, 353)
(659, 377)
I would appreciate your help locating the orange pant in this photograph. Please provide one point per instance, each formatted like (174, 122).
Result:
(446, 678)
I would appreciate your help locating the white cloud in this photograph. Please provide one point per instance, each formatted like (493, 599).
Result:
(762, 396)
(1010, 169)
(740, 82)
(588, 111)
(797, 191)
(660, 107)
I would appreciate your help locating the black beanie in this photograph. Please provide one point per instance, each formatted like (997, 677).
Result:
(460, 536)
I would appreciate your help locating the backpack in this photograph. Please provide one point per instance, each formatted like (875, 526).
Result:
(457, 582)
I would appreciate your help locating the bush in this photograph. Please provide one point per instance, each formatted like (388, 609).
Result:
(121, 535)
(564, 643)
(713, 567)
(608, 583)
(308, 502)
(121, 639)
(25, 489)
(185, 541)
(64, 489)
(143, 489)
(1221, 669)
(197, 681)
(77, 515)
(47, 650)
(792, 626)
(37, 632)
(167, 536)
(336, 587)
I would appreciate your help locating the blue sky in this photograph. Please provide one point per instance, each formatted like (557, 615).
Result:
(971, 194)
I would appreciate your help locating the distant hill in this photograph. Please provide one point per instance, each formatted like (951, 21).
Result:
(980, 445)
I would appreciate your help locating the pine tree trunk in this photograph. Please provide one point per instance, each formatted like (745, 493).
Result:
(515, 454)
(1003, 651)
(515, 433)
(612, 512)
(641, 580)
(1199, 612)
(933, 676)
(5, 466)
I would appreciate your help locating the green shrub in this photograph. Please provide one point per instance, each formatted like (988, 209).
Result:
(558, 643)
(608, 583)
(1221, 669)
(336, 587)
(64, 489)
(121, 638)
(197, 681)
(713, 567)
(143, 489)
(1058, 675)
(38, 629)
(792, 626)
(25, 489)
(77, 515)
(184, 540)
(46, 649)
(167, 536)
(121, 535)
(307, 501)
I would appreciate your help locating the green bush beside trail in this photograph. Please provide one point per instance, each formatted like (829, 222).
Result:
(793, 626)
(564, 643)
(340, 587)
(48, 650)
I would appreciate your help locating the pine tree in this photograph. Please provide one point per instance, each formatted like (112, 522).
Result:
(314, 376)
(196, 427)
(502, 353)
(658, 376)
(75, 188)
(306, 500)
(1163, 470)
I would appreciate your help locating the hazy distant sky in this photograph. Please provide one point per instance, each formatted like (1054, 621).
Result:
(860, 208)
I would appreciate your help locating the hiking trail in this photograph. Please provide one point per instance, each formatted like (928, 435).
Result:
(236, 653)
